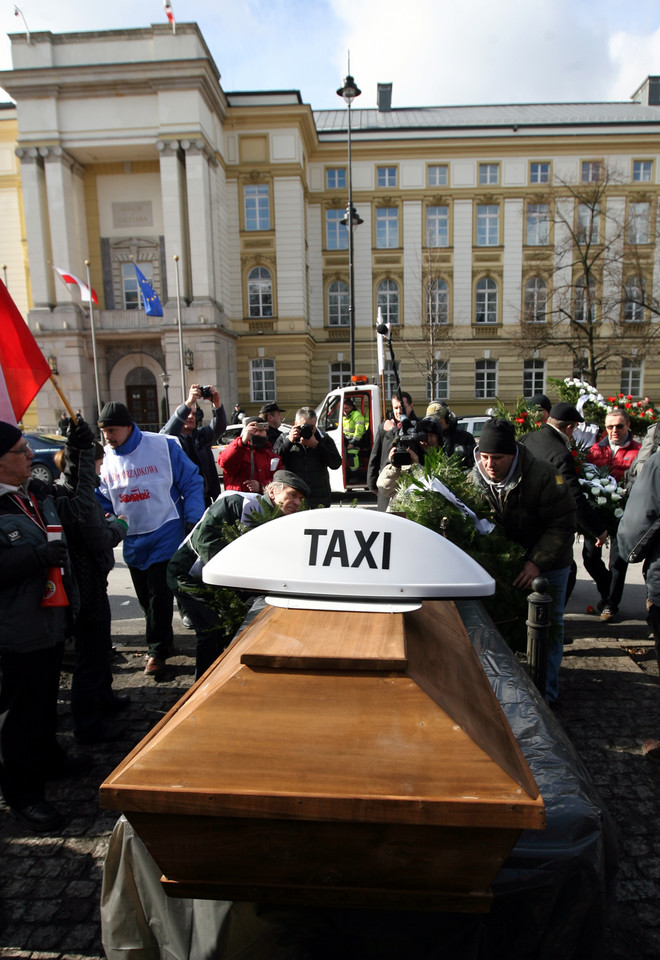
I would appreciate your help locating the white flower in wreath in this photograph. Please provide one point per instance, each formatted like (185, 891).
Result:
(618, 513)
(616, 496)
(601, 501)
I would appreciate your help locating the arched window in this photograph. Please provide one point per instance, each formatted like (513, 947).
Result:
(536, 300)
(338, 312)
(388, 301)
(584, 304)
(260, 292)
(486, 302)
(635, 299)
(437, 301)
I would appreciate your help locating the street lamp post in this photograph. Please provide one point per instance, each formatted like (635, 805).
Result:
(348, 93)
(165, 377)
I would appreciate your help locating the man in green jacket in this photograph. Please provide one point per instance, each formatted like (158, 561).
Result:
(537, 510)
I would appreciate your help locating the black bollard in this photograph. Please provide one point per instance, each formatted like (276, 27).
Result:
(538, 628)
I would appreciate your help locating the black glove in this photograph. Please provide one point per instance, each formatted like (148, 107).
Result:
(79, 435)
(53, 554)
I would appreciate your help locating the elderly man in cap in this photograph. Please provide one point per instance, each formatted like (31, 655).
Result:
(248, 462)
(554, 442)
(147, 478)
(283, 496)
(272, 414)
(36, 618)
(537, 510)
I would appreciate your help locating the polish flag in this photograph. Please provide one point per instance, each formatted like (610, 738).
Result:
(23, 367)
(82, 286)
(167, 6)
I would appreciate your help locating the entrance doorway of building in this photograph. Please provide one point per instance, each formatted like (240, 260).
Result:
(142, 398)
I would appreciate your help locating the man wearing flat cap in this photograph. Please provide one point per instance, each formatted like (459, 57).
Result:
(148, 478)
(453, 440)
(537, 510)
(283, 496)
(272, 414)
(32, 629)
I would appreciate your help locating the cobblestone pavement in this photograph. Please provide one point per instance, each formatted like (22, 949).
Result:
(610, 703)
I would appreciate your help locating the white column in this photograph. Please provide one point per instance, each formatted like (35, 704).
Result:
(413, 267)
(463, 262)
(63, 215)
(512, 273)
(33, 184)
(200, 208)
(173, 193)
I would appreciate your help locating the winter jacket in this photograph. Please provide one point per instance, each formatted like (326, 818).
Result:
(549, 444)
(600, 454)
(311, 464)
(457, 440)
(649, 445)
(536, 509)
(197, 444)
(241, 462)
(641, 513)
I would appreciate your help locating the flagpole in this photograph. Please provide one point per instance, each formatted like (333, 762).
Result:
(65, 403)
(94, 354)
(178, 317)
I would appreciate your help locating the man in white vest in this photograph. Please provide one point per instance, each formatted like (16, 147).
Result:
(149, 480)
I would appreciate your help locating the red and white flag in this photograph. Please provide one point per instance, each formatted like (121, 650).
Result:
(23, 367)
(167, 6)
(82, 286)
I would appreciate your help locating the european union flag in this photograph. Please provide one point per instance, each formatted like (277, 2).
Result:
(152, 305)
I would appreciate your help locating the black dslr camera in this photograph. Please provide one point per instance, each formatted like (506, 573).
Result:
(206, 392)
(306, 432)
(401, 456)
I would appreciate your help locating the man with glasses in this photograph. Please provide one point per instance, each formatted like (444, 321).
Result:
(32, 633)
(616, 452)
(248, 462)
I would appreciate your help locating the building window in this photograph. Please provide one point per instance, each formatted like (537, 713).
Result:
(486, 303)
(588, 223)
(338, 305)
(631, 377)
(639, 222)
(642, 171)
(539, 173)
(438, 175)
(485, 379)
(437, 226)
(260, 292)
(536, 300)
(257, 207)
(533, 377)
(538, 224)
(386, 176)
(340, 375)
(387, 227)
(262, 380)
(489, 173)
(584, 305)
(437, 302)
(335, 178)
(488, 219)
(635, 300)
(591, 171)
(437, 381)
(336, 233)
(130, 286)
(388, 301)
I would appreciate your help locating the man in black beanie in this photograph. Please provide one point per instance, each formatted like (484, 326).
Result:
(32, 630)
(537, 510)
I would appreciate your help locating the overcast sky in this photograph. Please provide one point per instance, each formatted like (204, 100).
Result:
(433, 51)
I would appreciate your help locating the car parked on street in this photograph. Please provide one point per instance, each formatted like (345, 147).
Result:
(44, 447)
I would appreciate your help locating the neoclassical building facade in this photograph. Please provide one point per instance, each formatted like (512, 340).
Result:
(122, 147)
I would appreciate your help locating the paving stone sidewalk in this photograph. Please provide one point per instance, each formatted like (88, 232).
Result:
(610, 703)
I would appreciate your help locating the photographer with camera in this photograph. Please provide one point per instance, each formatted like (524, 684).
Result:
(408, 451)
(197, 441)
(309, 454)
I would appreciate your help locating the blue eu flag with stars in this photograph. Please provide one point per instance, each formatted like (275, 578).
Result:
(152, 305)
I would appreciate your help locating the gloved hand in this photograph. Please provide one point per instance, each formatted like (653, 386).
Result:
(53, 554)
(79, 435)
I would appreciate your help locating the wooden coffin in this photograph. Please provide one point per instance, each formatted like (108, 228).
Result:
(336, 759)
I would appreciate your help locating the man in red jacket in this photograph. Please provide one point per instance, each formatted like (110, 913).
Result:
(616, 451)
(248, 463)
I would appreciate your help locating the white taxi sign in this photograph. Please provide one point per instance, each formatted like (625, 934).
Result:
(349, 554)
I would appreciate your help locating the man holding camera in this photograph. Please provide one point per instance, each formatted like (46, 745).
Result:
(197, 441)
(248, 462)
(309, 454)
